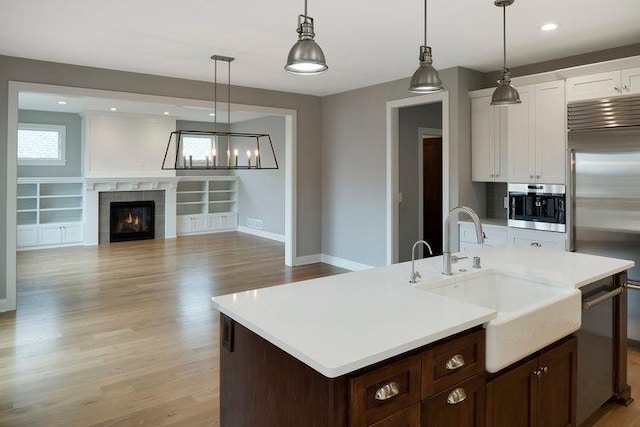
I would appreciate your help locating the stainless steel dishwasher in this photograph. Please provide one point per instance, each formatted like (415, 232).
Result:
(597, 345)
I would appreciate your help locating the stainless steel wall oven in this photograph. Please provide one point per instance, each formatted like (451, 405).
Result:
(537, 206)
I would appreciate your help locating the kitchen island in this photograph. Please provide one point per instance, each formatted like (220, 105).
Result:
(320, 352)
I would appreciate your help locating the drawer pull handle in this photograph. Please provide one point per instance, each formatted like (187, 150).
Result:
(455, 362)
(388, 391)
(456, 396)
(536, 244)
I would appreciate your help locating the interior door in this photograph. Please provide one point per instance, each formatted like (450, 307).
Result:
(432, 193)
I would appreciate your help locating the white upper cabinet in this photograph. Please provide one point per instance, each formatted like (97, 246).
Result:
(603, 85)
(488, 139)
(550, 133)
(520, 137)
(537, 135)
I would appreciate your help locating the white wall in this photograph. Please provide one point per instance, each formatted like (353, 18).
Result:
(120, 145)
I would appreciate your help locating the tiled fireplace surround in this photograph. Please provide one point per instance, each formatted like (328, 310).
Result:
(100, 192)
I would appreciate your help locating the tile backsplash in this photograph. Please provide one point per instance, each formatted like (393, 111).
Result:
(496, 192)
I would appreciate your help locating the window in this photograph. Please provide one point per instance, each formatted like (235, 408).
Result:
(198, 147)
(40, 144)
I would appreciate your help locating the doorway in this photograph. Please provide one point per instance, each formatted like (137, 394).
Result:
(403, 204)
(16, 88)
(432, 192)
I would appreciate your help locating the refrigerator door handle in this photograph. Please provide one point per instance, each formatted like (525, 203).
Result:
(572, 199)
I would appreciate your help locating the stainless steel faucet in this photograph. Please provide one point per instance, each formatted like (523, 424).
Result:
(414, 274)
(447, 258)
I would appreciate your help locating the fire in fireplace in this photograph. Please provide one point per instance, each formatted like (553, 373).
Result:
(131, 220)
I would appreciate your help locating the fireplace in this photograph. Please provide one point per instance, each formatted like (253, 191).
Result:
(131, 220)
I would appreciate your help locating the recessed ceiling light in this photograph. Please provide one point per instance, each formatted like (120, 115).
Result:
(549, 26)
(62, 102)
(211, 114)
(114, 109)
(166, 113)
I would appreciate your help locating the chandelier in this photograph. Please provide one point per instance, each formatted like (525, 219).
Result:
(219, 150)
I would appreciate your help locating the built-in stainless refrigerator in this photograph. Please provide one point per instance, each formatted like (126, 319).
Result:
(606, 203)
(604, 219)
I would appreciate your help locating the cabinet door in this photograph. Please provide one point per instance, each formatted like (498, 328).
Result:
(512, 398)
(198, 223)
(72, 233)
(550, 133)
(26, 236)
(520, 137)
(557, 386)
(594, 86)
(49, 235)
(409, 417)
(182, 224)
(462, 405)
(483, 136)
(630, 81)
(230, 221)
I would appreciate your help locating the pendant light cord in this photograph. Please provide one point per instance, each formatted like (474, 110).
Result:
(504, 37)
(229, 94)
(215, 95)
(305, 10)
(425, 22)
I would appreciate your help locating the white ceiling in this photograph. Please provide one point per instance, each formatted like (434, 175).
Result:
(365, 42)
(81, 104)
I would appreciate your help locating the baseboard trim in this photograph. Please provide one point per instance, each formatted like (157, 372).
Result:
(308, 259)
(261, 233)
(344, 263)
(3, 305)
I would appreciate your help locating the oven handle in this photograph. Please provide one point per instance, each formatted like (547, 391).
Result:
(588, 305)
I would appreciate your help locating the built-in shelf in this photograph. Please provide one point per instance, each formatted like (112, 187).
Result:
(50, 211)
(206, 205)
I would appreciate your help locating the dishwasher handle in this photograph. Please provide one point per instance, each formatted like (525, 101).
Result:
(588, 305)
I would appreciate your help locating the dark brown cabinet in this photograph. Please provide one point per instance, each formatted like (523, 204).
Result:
(540, 392)
(441, 384)
(462, 405)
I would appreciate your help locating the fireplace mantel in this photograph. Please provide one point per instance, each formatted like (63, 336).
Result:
(131, 184)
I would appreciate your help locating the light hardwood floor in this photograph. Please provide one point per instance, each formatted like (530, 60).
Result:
(125, 334)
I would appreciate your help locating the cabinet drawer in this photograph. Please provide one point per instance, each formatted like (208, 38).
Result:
(452, 362)
(462, 405)
(380, 393)
(409, 417)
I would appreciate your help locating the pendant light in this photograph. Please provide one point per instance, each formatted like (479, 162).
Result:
(306, 57)
(426, 78)
(505, 93)
(228, 148)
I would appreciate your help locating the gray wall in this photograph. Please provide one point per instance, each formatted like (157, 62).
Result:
(205, 127)
(308, 127)
(354, 165)
(410, 119)
(73, 149)
(261, 192)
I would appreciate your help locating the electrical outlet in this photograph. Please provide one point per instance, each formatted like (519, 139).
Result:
(251, 223)
(259, 224)
(505, 203)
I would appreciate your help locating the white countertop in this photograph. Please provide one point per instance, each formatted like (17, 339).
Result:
(342, 323)
(500, 222)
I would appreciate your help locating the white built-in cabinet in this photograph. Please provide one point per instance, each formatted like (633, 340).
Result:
(493, 235)
(538, 239)
(501, 234)
(488, 136)
(604, 85)
(50, 212)
(206, 205)
(537, 138)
